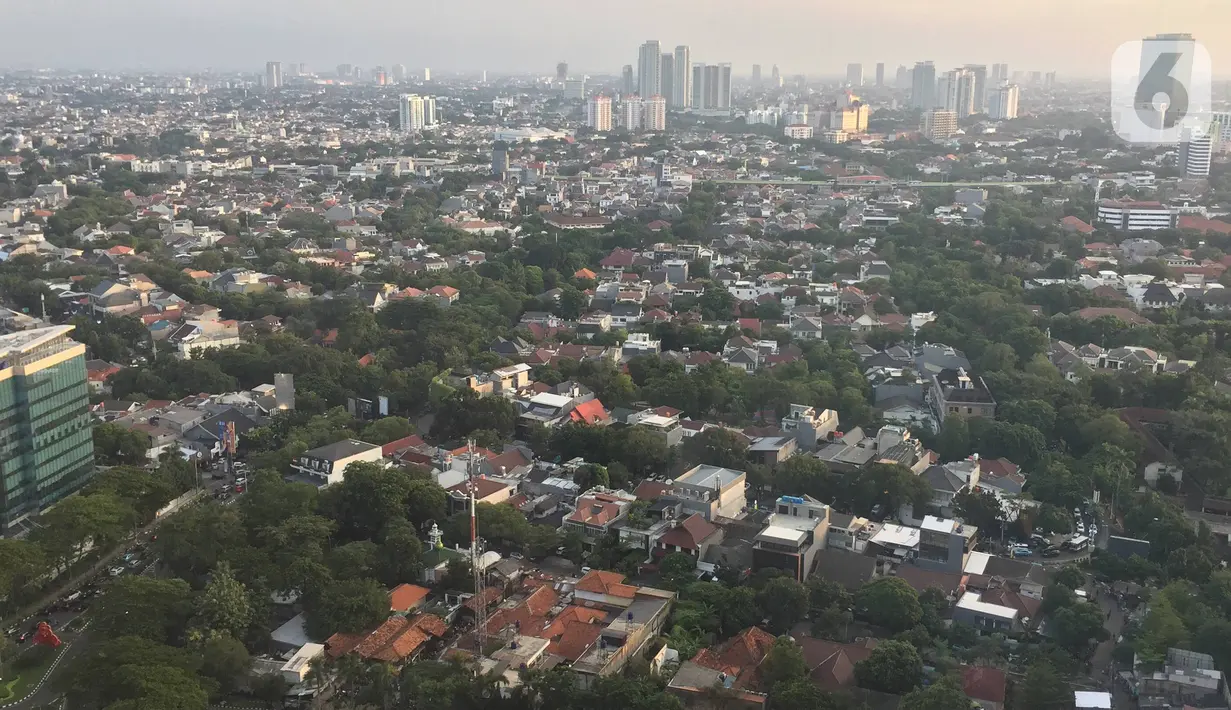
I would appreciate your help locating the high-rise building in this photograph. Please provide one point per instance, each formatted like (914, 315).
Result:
(561, 71)
(345, 71)
(427, 74)
(711, 86)
(1002, 104)
(923, 86)
(629, 86)
(724, 85)
(410, 113)
(649, 69)
(775, 77)
(273, 75)
(1049, 79)
(854, 74)
(902, 78)
(399, 73)
(1197, 151)
(430, 117)
(681, 87)
(500, 159)
(756, 76)
(575, 89)
(852, 119)
(48, 447)
(598, 113)
(667, 81)
(654, 114)
(957, 92)
(938, 124)
(980, 86)
(698, 86)
(630, 112)
(880, 73)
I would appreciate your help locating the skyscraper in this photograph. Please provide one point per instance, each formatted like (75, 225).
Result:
(575, 89)
(681, 88)
(711, 86)
(923, 86)
(500, 159)
(430, 118)
(273, 75)
(345, 71)
(399, 73)
(880, 73)
(1197, 151)
(724, 85)
(630, 113)
(756, 76)
(775, 77)
(561, 71)
(1002, 104)
(48, 446)
(654, 114)
(667, 81)
(629, 86)
(427, 74)
(649, 69)
(598, 113)
(957, 92)
(410, 113)
(902, 78)
(698, 85)
(854, 74)
(980, 86)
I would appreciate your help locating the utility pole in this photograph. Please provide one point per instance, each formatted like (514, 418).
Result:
(476, 563)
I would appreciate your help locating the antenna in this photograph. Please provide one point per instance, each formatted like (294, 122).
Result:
(476, 564)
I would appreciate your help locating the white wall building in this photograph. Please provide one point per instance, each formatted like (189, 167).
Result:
(598, 113)
(1132, 216)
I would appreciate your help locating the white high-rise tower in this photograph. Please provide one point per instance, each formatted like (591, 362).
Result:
(681, 88)
(649, 69)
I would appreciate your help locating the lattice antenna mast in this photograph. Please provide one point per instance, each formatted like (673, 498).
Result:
(476, 562)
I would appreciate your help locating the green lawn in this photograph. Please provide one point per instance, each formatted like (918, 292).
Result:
(19, 687)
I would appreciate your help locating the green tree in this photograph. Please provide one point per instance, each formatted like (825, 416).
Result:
(383, 431)
(946, 694)
(75, 522)
(805, 475)
(270, 688)
(223, 608)
(784, 602)
(1043, 688)
(22, 563)
(400, 557)
(154, 609)
(367, 499)
(225, 661)
(350, 605)
(981, 509)
(1078, 627)
(889, 602)
(892, 667)
(717, 447)
(783, 664)
(678, 570)
(115, 444)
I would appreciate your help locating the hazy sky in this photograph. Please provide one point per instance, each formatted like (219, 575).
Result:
(1074, 37)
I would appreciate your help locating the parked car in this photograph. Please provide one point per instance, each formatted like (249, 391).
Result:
(1051, 552)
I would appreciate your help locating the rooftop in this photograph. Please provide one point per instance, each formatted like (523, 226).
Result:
(706, 476)
(341, 450)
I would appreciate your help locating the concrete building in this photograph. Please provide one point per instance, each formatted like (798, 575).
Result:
(712, 491)
(1135, 216)
(326, 465)
(810, 427)
(792, 536)
(880, 73)
(598, 113)
(1002, 104)
(631, 108)
(681, 85)
(654, 114)
(273, 75)
(667, 82)
(923, 86)
(48, 450)
(1197, 152)
(649, 69)
(938, 124)
(854, 74)
(957, 92)
(627, 81)
(979, 71)
(638, 615)
(411, 116)
(945, 544)
(575, 89)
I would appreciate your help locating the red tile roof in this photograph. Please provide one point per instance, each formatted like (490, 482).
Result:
(591, 412)
(405, 597)
(593, 511)
(983, 683)
(739, 657)
(483, 488)
(574, 631)
(1202, 224)
(690, 533)
(406, 442)
(651, 490)
(608, 583)
(1076, 224)
(394, 641)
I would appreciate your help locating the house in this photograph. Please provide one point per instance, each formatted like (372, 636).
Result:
(445, 295)
(985, 685)
(408, 597)
(950, 479)
(692, 536)
(809, 426)
(733, 665)
(1186, 679)
(973, 610)
(596, 515)
(486, 490)
(792, 536)
(956, 392)
(712, 491)
(639, 614)
(398, 640)
(831, 665)
(944, 544)
(772, 450)
(327, 464)
(97, 374)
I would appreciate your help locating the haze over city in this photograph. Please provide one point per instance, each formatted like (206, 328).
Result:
(1076, 38)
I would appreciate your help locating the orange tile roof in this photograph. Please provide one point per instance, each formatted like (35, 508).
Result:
(608, 583)
(574, 631)
(738, 657)
(405, 597)
(394, 641)
(593, 511)
(591, 412)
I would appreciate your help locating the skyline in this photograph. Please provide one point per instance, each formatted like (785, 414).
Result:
(802, 38)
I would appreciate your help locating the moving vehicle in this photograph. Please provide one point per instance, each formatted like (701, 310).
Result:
(1077, 543)
(1051, 552)
(1021, 551)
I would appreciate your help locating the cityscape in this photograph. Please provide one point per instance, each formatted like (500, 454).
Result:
(686, 383)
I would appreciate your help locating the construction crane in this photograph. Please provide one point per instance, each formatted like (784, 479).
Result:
(476, 562)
